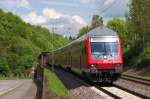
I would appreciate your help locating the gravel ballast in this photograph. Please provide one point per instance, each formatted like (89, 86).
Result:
(77, 88)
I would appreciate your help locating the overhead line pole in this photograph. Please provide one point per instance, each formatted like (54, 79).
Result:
(53, 48)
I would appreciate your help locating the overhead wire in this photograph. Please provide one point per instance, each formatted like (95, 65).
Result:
(107, 8)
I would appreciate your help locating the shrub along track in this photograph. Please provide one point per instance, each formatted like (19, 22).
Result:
(81, 88)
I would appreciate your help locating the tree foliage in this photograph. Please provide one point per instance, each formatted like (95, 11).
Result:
(96, 21)
(135, 33)
(120, 26)
(83, 31)
(139, 23)
(21, 43)
(139, 32)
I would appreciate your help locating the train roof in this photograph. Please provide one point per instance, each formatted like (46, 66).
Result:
(97, 32)
(101, 31)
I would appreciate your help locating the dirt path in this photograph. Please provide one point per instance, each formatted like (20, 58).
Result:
(26, 90)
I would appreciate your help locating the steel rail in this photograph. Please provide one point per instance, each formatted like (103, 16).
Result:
(136, 79)
(111, 94)
(132, 92)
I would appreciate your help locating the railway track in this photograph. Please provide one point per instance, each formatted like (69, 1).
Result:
(136, 79)
(132, 92)
(109, 91)
(114, 89)
(117, 93)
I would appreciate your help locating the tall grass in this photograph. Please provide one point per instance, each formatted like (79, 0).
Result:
(55, 86)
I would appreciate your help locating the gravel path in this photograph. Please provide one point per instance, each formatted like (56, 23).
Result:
(27, 89)
(78, 88)
(136, 87)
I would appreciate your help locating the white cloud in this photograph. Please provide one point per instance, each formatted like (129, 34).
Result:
(68, 25)
(16, 3)
(61, 3)
(51, 13)
(51, 17)
(33, 18)
(88, 1)
(80, 20)
(71, 25)
(22, 3)
(108, 2)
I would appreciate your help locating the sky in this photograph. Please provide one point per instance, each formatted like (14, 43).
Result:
(66, 16)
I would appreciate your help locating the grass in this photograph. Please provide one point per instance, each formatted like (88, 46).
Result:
(7, 78)
(55, 86)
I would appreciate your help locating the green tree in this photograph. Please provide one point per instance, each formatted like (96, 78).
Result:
(120, 26)
(21, 43)
(96, 21)
(4, 69)
(138, 34)
(83, 31)
(139, 23)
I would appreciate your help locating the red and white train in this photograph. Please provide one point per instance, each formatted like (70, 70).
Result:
(97, 55)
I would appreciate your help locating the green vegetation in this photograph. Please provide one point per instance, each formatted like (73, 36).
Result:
(21, 43)
(83, 31)
(96, 21)
(139, 30)
(120, 26)
(55, 86)
(7, 78)
(135, 34)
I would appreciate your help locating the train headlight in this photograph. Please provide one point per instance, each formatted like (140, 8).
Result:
(92, 65)
(93, 68)
(118, 68)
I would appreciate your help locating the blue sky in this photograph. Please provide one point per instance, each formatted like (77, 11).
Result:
(67, 16)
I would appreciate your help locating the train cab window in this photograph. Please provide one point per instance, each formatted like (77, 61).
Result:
(101, 49)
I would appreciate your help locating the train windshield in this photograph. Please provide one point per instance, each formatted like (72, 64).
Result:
(104, 50)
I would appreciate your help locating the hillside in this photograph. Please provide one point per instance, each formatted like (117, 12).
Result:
(21, 43)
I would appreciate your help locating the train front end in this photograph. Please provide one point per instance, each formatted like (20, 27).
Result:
(104, 55)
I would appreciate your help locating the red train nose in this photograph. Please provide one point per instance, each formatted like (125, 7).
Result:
(106, 64)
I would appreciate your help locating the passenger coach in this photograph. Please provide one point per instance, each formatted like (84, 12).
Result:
(97, 55)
